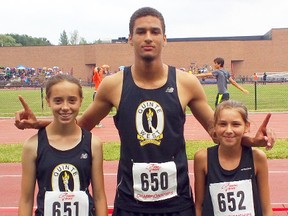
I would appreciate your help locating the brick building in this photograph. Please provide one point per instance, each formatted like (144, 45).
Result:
(244, 55)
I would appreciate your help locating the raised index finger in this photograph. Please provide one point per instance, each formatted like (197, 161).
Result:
(266, 120)
(24, 104)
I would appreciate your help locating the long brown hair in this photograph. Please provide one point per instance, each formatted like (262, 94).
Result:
(60, 78)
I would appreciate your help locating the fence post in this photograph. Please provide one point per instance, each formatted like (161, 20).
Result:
(42, 97)
(255, 91)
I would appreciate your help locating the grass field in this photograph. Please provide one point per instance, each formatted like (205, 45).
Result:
(270, 98)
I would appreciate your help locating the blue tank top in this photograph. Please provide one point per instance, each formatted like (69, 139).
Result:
(52, 164)
(150, 123)
(230, 199)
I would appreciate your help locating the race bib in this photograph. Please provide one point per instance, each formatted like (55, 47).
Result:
(58, 203)
(154, 181)
(232, 198)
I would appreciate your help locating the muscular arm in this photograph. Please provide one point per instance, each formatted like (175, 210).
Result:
(108, 95)
(191, 93)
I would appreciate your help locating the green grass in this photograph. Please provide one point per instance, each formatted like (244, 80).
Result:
(270, 98)
(11, 153)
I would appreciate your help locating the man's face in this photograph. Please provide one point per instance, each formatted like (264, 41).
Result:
(147, 38)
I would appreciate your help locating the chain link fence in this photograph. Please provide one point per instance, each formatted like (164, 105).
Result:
(262, 97)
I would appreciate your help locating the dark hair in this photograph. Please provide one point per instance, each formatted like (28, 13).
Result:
(61, 78)
(219, 61)
(231, 104)
(98, 69)
(145, 11)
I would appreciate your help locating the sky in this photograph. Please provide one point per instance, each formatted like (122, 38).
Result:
(109, 19)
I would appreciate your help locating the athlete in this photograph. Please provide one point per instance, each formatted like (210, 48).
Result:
(63, 159)
(222, 76)
(231, 179)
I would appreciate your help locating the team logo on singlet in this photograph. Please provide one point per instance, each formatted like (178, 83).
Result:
(65, 177)
(149, 123)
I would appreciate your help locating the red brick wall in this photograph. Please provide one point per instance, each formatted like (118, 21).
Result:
(247, 56)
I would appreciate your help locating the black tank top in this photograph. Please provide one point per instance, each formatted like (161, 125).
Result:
(230, 199)
(52, 164)
(150, 123)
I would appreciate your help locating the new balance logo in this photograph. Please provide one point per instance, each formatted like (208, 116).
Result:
(84, 156)
(246, 168)
(170, 90)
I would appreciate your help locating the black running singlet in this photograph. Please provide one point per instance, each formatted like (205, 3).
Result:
(68, 170)
(231, 192)
(153, 169)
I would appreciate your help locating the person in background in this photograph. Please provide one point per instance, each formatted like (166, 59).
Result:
(63, 159)
(97, 79)
(264, 78)
(222, 76)
(151, 99)
(231, 179)
(255, 77)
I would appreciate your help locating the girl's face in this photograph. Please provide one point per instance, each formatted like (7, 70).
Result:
(64, 101)
(230, 127)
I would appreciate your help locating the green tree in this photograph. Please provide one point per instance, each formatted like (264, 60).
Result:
(6, 40)
(99, 41)
(26, 40)
(63, 39)
(83, 41)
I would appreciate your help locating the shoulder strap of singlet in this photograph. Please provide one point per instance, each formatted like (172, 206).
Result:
(86, 135)
(127, 73)
(42, 139)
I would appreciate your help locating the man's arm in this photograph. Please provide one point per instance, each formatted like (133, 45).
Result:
(108, 96)
(193, 91)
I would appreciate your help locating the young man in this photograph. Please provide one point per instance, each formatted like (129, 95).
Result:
(222, 76)
(151, 98)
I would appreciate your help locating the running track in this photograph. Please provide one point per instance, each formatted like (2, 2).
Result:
(10, 174)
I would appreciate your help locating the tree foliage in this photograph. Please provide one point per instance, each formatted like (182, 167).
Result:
(83, 41)
(25, 40)
(63, 39)
(6, 40)
(74, 38)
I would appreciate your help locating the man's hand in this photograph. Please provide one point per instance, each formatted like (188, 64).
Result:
(265, 137)
(25, 118)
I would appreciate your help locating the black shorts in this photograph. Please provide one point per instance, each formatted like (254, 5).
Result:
(221, 97)
(121, 212)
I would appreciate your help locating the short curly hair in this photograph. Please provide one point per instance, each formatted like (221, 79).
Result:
(146, 11)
